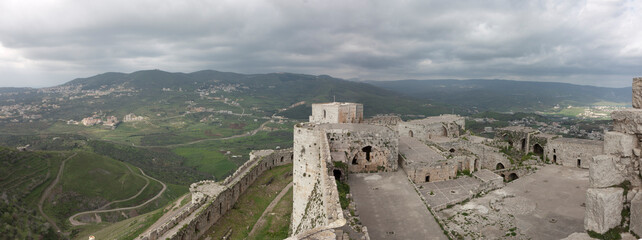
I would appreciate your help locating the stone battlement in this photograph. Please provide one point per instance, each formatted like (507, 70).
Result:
(211, 199)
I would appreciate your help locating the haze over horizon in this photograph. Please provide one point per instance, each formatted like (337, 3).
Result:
(46, 43)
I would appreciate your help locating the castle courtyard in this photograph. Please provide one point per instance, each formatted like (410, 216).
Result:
(390, 207)
(548, 204)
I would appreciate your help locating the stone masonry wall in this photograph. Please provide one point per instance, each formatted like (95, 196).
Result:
(615, 179)
(427, 130)
(316, 199)
(353, 143)
(567, 152)
(211, 200)
(336, 112)
(488, 157)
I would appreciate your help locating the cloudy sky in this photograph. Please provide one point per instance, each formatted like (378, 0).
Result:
(49, 42)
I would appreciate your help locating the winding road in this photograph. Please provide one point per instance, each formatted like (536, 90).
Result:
(132, 197)
(47, 192)
(74, 222)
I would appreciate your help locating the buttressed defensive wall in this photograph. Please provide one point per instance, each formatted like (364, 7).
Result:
(211, 200)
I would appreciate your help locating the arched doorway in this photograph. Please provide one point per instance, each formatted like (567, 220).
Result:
(512, 177)
(428, 178)
(538, 150)
(555, 159)
(354, 160)
(411, 134)
(367, 150)
(579, 163)
(337, 174)
(524, 147)
(499, 166)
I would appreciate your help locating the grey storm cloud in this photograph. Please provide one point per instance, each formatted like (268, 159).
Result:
(44, 43)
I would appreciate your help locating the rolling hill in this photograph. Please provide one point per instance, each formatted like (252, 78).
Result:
(506, 95)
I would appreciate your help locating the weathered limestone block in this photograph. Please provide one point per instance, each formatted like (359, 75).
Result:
(603, 209)
(636, 215)
(578, 236)
(637, 92)
(620, 144)
(627, 121)
(603, 171)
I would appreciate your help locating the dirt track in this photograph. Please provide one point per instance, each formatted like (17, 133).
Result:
(74, 222)
(47, 192)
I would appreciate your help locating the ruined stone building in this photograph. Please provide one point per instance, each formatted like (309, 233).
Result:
(570, 152)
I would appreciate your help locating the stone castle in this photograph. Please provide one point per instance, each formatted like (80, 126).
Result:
(337, 142)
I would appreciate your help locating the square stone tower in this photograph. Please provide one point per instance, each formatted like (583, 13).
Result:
(337, 112)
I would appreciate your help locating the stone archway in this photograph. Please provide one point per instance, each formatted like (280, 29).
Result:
(367, 150)
(499, 166)
(512, 177)
(410, 133)
(538, 150)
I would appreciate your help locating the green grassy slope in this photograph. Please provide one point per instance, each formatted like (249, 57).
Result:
(25, 175)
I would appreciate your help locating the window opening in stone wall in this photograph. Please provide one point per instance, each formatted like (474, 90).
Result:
(524, 148)
(452, 150)
(410, 133)
(367, 150)
(579, 162)
(354, 160)
(445, 133)
(512, 177)
(337, 174)
(499, 166)
(428, 178)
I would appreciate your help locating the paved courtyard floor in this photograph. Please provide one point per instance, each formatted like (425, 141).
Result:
(390, 207)
(548, 204)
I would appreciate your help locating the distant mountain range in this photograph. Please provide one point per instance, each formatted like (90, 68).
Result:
(505, 95)
(273, 91)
